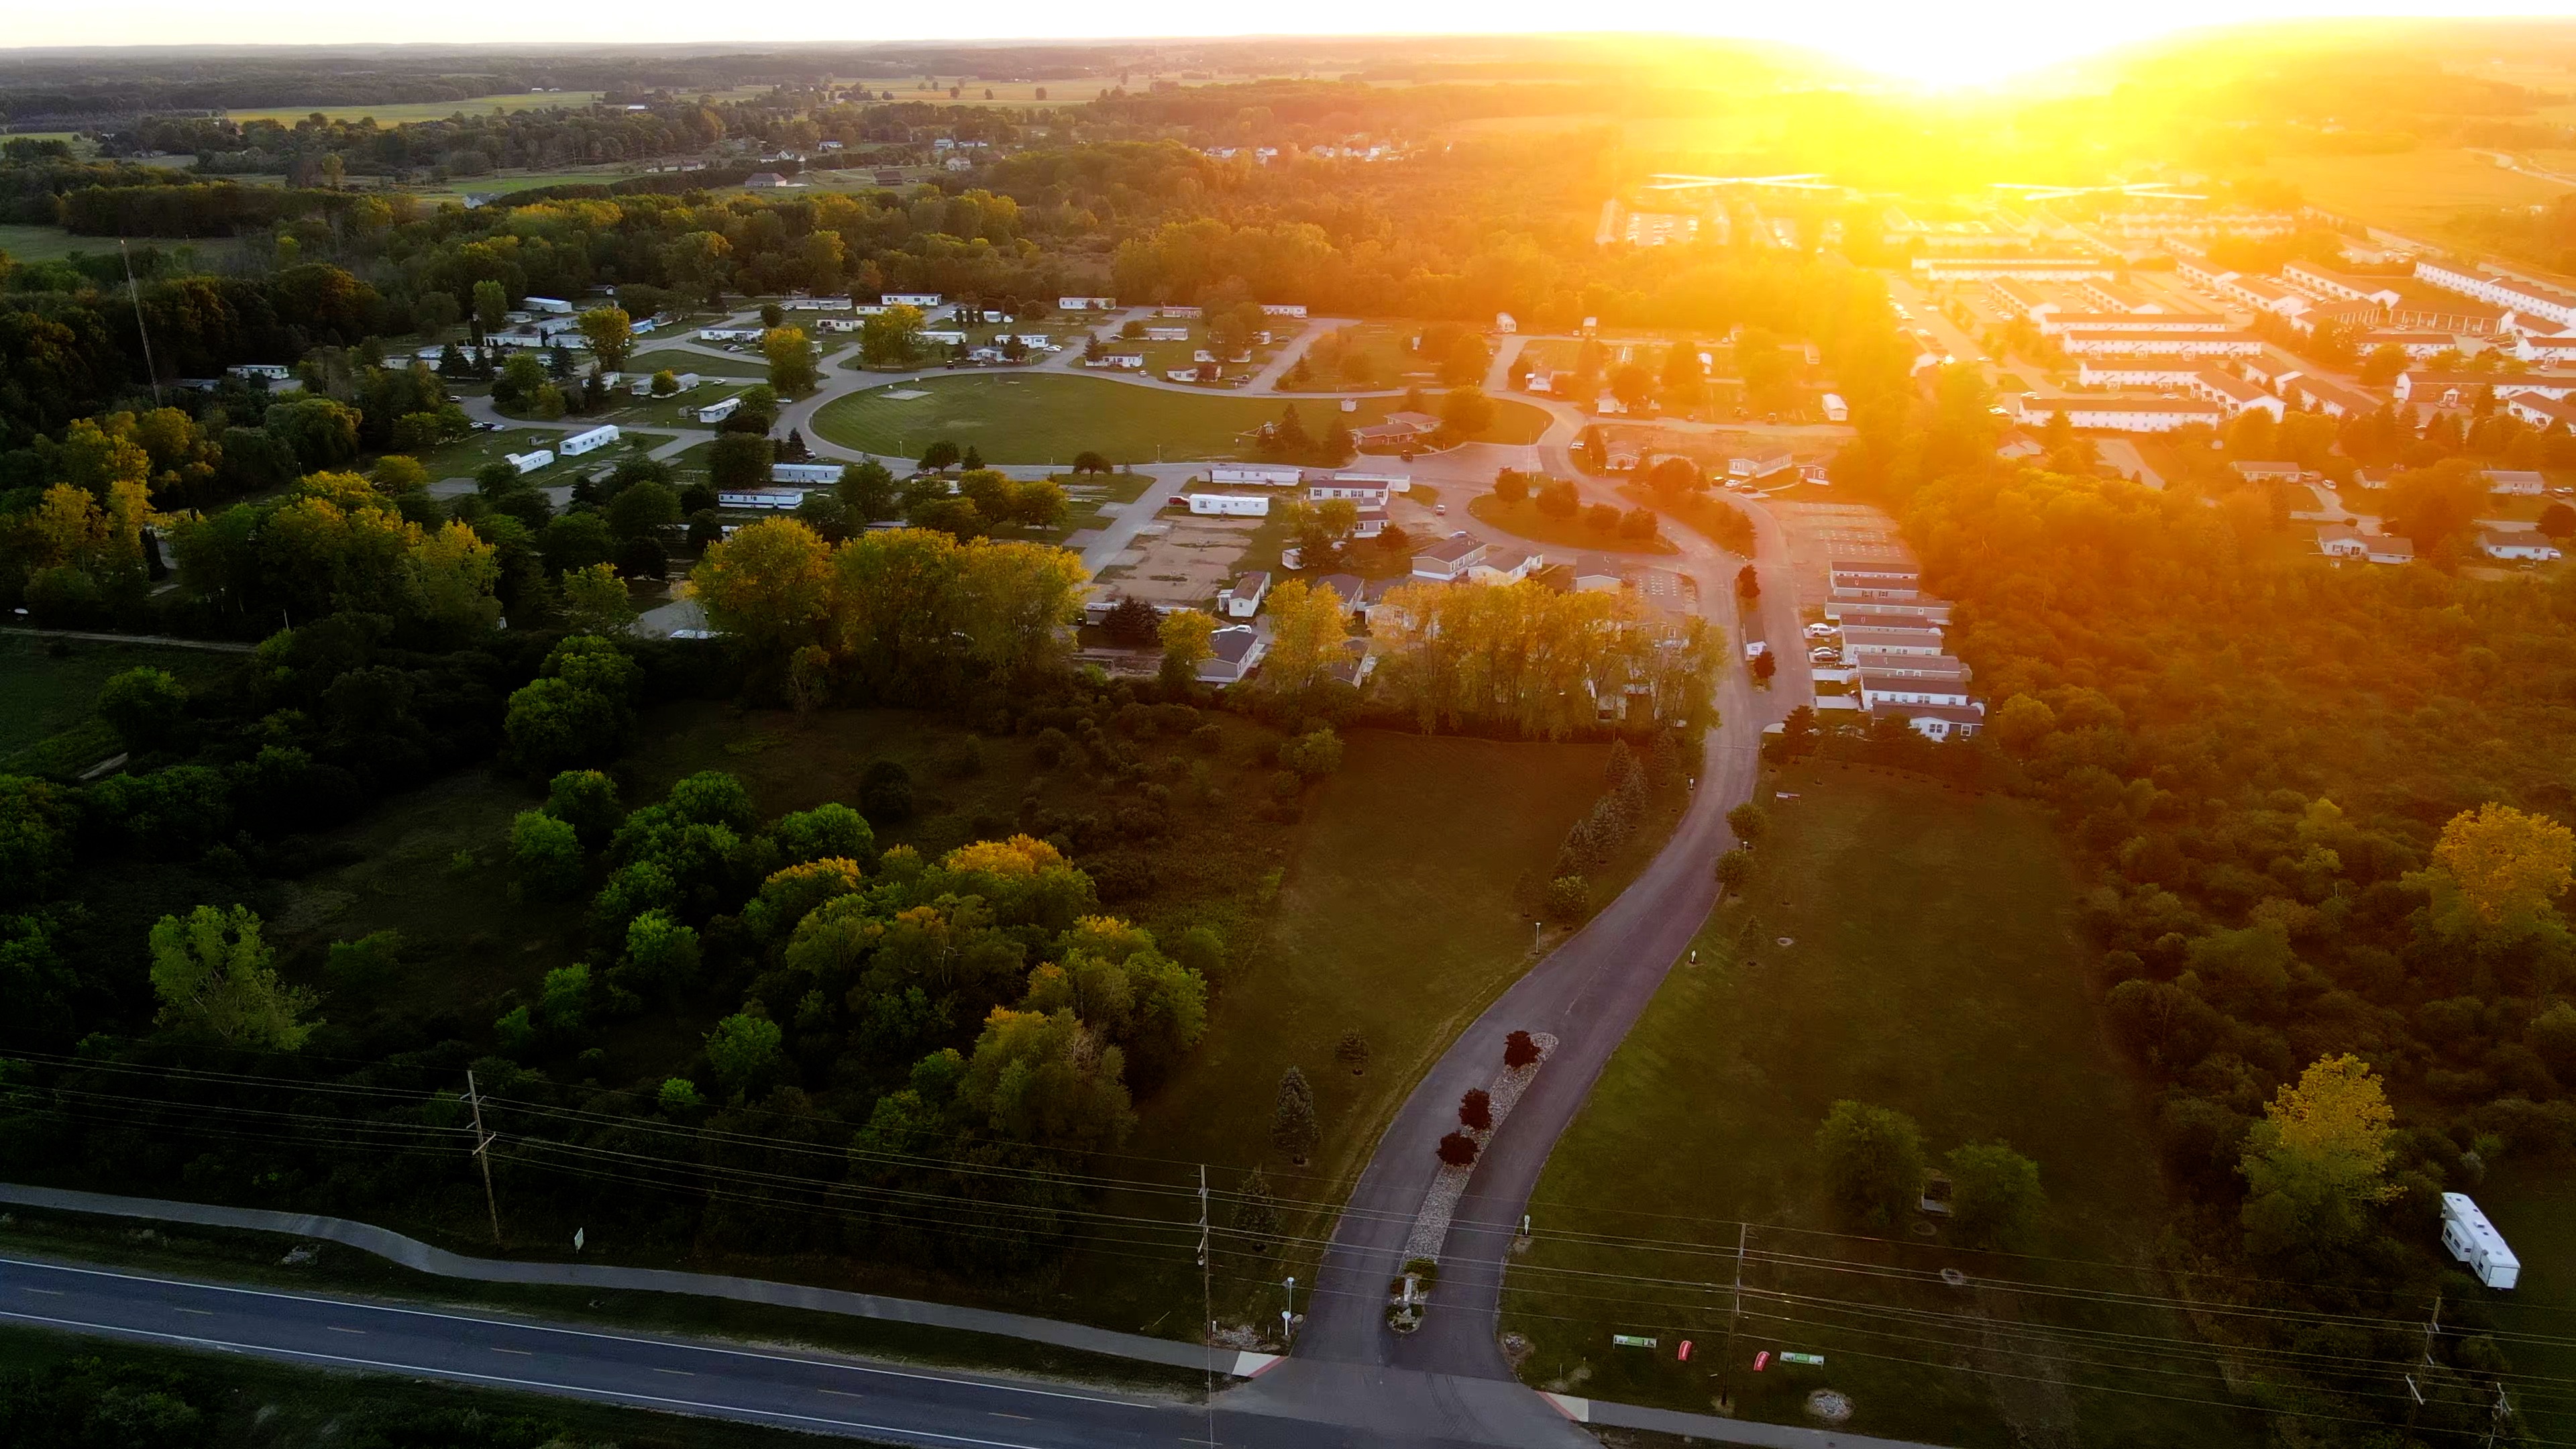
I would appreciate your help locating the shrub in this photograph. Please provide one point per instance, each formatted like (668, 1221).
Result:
(1749, 821)
(1312, 755)
(546, 853)
(679, 1096)
(1286, 784)
(1458, 1150)
(1734, 868)
(1054, 745)
(1569, 899)
(369, 958)
(885, 791)
(1353, 1052)
(1519, 1050)
(146, 707)
(1292, 1116)
(1995, 1197)
(1207, 739)
(1476, 1110)
(586, 800)
(823, 833)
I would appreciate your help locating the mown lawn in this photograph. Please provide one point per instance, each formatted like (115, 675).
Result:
(29, 243)
(1048, 419)
(1399, 916)
(1522, 519)
(704, 364)
(1911, 947)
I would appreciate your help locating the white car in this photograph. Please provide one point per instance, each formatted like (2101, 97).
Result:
(1756, 649)
(1824, 656)
(1821, 631)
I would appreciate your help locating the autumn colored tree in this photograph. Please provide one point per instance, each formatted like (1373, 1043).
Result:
(611, 335)
(769, 585)
(1185, 634)
(791, 360)
(1458, 1150)
(2318, 1161)
(1519, 1050)
(1309, 624)
(2498, 872)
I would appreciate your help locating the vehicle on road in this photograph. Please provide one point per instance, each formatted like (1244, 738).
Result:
(1440, 509)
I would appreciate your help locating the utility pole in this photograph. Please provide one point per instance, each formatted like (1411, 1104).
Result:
(2432, 1326)
(2503, 1411)
(1735, 1318)
(483, 1156)
(135, 295)
(1207, 1306)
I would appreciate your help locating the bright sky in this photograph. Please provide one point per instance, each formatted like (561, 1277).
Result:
(1952, 43)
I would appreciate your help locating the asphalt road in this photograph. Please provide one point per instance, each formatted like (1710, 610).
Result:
(783, 1387)
(1450, 1377)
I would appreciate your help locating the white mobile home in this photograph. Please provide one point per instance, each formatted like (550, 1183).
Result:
(728, 334)
(529, 462)
(912, 299)
(1265, 477)
(1836, 410)
(718, 412)
(1230, 505)
(1283, 309)
(1086, 304)
(824, 473)
(591, 441)
(783, 499)
(556, 305)
(2474, 1241)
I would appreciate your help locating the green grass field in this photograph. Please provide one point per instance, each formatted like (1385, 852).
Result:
(47, 724)
(1523, 520)
(1910, 947)
(704, 364)
(2414, 189)
(1396, 918)
(46, 243)
(1047, 419)
(399, 112)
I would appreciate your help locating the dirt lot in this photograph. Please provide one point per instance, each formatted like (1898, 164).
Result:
(1183, 560)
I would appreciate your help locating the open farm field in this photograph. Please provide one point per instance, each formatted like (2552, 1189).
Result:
(1023, 418)
(1910, 947)
(2410, 189)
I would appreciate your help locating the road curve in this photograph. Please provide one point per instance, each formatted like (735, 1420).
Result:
(1451, 1376)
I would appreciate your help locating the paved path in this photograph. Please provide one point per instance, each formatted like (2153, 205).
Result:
(1451, 1376)
(414, 1254)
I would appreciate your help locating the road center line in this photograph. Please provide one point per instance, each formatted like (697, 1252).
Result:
(200, 1312)
(48, 1292)
(335, 1328)
(683, 1373)
(521, 1352)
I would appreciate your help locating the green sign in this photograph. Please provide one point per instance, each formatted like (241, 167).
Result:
(1630, 1340)
(1816, 1359)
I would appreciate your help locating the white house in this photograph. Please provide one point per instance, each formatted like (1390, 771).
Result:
(2389, 548)
(1243, 599)
(556, 305)
(718, 412)
(1121, 361)
(946, 338)
(1167, 334)
(1877, 689)
(2125, 414)
(2325, 282)
(1506, 323)
(1448, 560)
(1934, 721)
(1922, 643)
(2151, 369)
(2342, 540)
(2080, 340)
(529, 462)
(1283, 309)
(1760, 464)
(824, 473)
(2518, 547)
(268, 371)
(1237, 651)
(2524, 298)
(2025, 269)
(1836, 410)
(1086, 304)
(912, 299)
(1176, 312)
(2233, 393)
(1505, 566)
(586, 442)
(728, 334)
(780, 499)
(818, 304)
(2051, 325)
(1229, 505)
(1367, 492)
(2515, 482)
(1259, 475)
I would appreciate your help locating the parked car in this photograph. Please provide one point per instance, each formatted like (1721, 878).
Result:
(1821, 631)
(1824, 656)
(1440, 510)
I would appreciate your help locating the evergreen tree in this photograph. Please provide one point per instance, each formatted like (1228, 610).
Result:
(1256, 1216)
(1292, 1118)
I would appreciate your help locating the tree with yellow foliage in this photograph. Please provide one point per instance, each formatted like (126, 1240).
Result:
(2318, 1160)
(1309, 625)
(1185, 635)
(2498, 872)
(769, 585)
